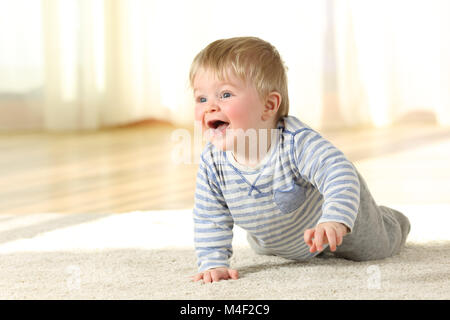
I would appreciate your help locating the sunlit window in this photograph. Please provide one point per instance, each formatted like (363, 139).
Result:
(21, 47)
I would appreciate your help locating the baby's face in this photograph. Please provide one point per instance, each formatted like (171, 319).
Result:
(222, 107)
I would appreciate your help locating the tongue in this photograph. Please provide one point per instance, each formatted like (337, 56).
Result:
(221, 127)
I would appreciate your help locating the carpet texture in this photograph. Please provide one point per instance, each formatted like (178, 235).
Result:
(149, 255)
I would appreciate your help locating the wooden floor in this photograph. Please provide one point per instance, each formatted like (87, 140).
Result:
(126, 169)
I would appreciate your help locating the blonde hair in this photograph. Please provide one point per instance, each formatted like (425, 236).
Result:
(251, 59)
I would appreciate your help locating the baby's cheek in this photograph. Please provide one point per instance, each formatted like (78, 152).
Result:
(239, 118)
(198, 113)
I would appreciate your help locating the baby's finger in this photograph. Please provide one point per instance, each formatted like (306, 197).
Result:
(197, 277)
(308, 235)
(331, 236)
(313, 248)
(339, 238)
(340, 235)
(207, 277)
(215, 277)
(318, 238)
(233, 274)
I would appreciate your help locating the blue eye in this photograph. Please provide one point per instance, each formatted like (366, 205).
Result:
(201, 99)
(226, 95)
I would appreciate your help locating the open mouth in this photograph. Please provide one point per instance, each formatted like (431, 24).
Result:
(217, 124)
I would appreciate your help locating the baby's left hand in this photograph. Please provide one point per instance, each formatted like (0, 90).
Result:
(326, 232)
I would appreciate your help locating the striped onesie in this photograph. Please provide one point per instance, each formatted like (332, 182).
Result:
(303, 181)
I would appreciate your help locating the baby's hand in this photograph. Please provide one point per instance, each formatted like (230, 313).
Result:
(326, 232)
(216, 274)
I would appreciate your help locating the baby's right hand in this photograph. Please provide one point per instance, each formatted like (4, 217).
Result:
(216, 274)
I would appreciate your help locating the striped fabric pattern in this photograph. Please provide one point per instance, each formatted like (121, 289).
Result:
(304, 181)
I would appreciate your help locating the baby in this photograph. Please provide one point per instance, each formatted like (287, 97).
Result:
(292, 191)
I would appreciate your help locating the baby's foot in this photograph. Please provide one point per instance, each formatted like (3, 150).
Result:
(405, 225)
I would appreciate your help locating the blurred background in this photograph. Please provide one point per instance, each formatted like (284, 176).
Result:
(91, 90)
(88, 64)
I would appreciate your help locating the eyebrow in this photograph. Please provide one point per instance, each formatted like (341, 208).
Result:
(221, 84)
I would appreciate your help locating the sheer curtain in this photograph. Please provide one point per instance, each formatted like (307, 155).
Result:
(393, 58)
(87, 64)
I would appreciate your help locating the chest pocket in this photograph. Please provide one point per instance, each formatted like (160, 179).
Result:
(289, 198)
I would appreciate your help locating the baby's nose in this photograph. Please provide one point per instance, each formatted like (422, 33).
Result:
(212, 107)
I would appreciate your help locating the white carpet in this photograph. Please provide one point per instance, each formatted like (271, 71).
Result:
(149, 255)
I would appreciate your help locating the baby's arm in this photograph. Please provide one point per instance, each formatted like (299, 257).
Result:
(216, 274)
(213, 226)
(335, 177)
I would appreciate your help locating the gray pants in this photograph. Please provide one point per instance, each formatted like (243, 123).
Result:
(379, 232)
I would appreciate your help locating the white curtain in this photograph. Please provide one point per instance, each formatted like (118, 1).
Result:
(393, 59)
(87, 64)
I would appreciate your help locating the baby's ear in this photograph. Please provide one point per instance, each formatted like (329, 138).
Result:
(271, 106)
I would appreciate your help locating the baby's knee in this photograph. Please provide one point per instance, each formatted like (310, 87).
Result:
(256, 247)
(363, 251)
(378, 253)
